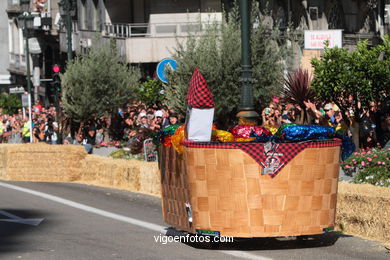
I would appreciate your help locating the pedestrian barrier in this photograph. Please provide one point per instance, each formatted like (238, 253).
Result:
(150, 151)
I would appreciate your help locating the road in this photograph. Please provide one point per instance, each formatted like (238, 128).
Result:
(75, 221)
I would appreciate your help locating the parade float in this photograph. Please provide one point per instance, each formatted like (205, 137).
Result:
(248, 181)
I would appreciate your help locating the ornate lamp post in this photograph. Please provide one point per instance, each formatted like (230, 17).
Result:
(67, 11)
(25, 21)
(246, 110)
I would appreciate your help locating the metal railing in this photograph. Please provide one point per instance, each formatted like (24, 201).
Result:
(13, 5)
(17, 61)
(150, 151)
(152, 30)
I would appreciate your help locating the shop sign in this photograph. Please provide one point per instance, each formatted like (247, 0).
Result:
(315, 40)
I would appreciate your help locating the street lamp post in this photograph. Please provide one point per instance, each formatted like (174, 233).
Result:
(25, 20)
(246, 112)
(67, 8)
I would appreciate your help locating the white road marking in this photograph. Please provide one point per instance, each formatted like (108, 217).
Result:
(16, 219)
(133, 221)
(76, 205)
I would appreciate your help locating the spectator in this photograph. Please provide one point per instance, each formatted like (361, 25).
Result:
(88, 138)
(173, 119)
(144, 122)
(51, 132)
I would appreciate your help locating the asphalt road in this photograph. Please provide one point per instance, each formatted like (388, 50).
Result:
(85, 222)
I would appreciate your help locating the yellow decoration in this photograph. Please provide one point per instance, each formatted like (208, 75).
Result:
(272, 128)
(178, 138)
(239, 139)
(222, 136)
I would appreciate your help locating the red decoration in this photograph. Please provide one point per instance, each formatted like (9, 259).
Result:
(167, 141)
(199, 95)
(244, 131)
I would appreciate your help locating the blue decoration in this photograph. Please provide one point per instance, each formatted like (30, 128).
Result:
(348, 147)
(306, 132)
(260, 138)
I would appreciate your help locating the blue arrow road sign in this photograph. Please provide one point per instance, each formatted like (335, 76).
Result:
(162, 69)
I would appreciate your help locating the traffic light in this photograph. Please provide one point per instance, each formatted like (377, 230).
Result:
(56, 69)
(56, 83)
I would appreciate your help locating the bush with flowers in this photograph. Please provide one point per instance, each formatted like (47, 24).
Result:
(371, 167)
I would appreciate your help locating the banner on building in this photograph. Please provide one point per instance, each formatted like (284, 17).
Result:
(315, 40)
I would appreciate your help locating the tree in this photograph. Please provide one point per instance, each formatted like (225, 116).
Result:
(217, 54)
(10, 103)
(150, 92)
(97, 83)
(353, 79)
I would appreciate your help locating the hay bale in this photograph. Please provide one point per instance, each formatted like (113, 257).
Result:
(3, 162)
(364, 210)
(116, 173)
(150, 178)
(41, 162)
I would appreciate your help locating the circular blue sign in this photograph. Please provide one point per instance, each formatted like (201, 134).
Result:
(162, 69)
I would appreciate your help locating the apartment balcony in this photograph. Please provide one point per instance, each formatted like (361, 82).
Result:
(350, 40)
(145, 42)
(17, 63)
(17, 6)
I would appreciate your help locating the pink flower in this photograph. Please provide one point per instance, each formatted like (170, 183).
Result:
(379, 163)
(369, 159)
(363, 163)
(383, 163)
(354, 162)
(369, 152)
(375, 155)
(387, 158)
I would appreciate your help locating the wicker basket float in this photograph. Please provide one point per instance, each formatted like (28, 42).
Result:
(223, 191)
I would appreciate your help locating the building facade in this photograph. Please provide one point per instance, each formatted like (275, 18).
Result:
(43, 51)
(4, 60)
(147, 31)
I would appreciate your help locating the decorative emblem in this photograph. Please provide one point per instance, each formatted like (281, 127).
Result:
(272, 162)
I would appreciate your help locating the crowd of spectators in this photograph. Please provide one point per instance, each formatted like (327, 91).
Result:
(373, 124)
(131, 124)
(15, 128)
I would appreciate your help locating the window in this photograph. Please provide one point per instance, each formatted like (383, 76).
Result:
(95, 15)
(83, 15)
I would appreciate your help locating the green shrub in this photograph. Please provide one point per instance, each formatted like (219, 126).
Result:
(149, 92)
(10, 103)
(371, 167)
(376, 175)
(124, 154)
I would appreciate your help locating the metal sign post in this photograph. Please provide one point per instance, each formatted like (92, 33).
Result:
(26, 102)
(30, 117)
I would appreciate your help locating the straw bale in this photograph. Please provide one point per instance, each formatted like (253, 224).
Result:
(40, 162)
(3, 161)
(150, 179)
(117, 173)
(364, 210)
